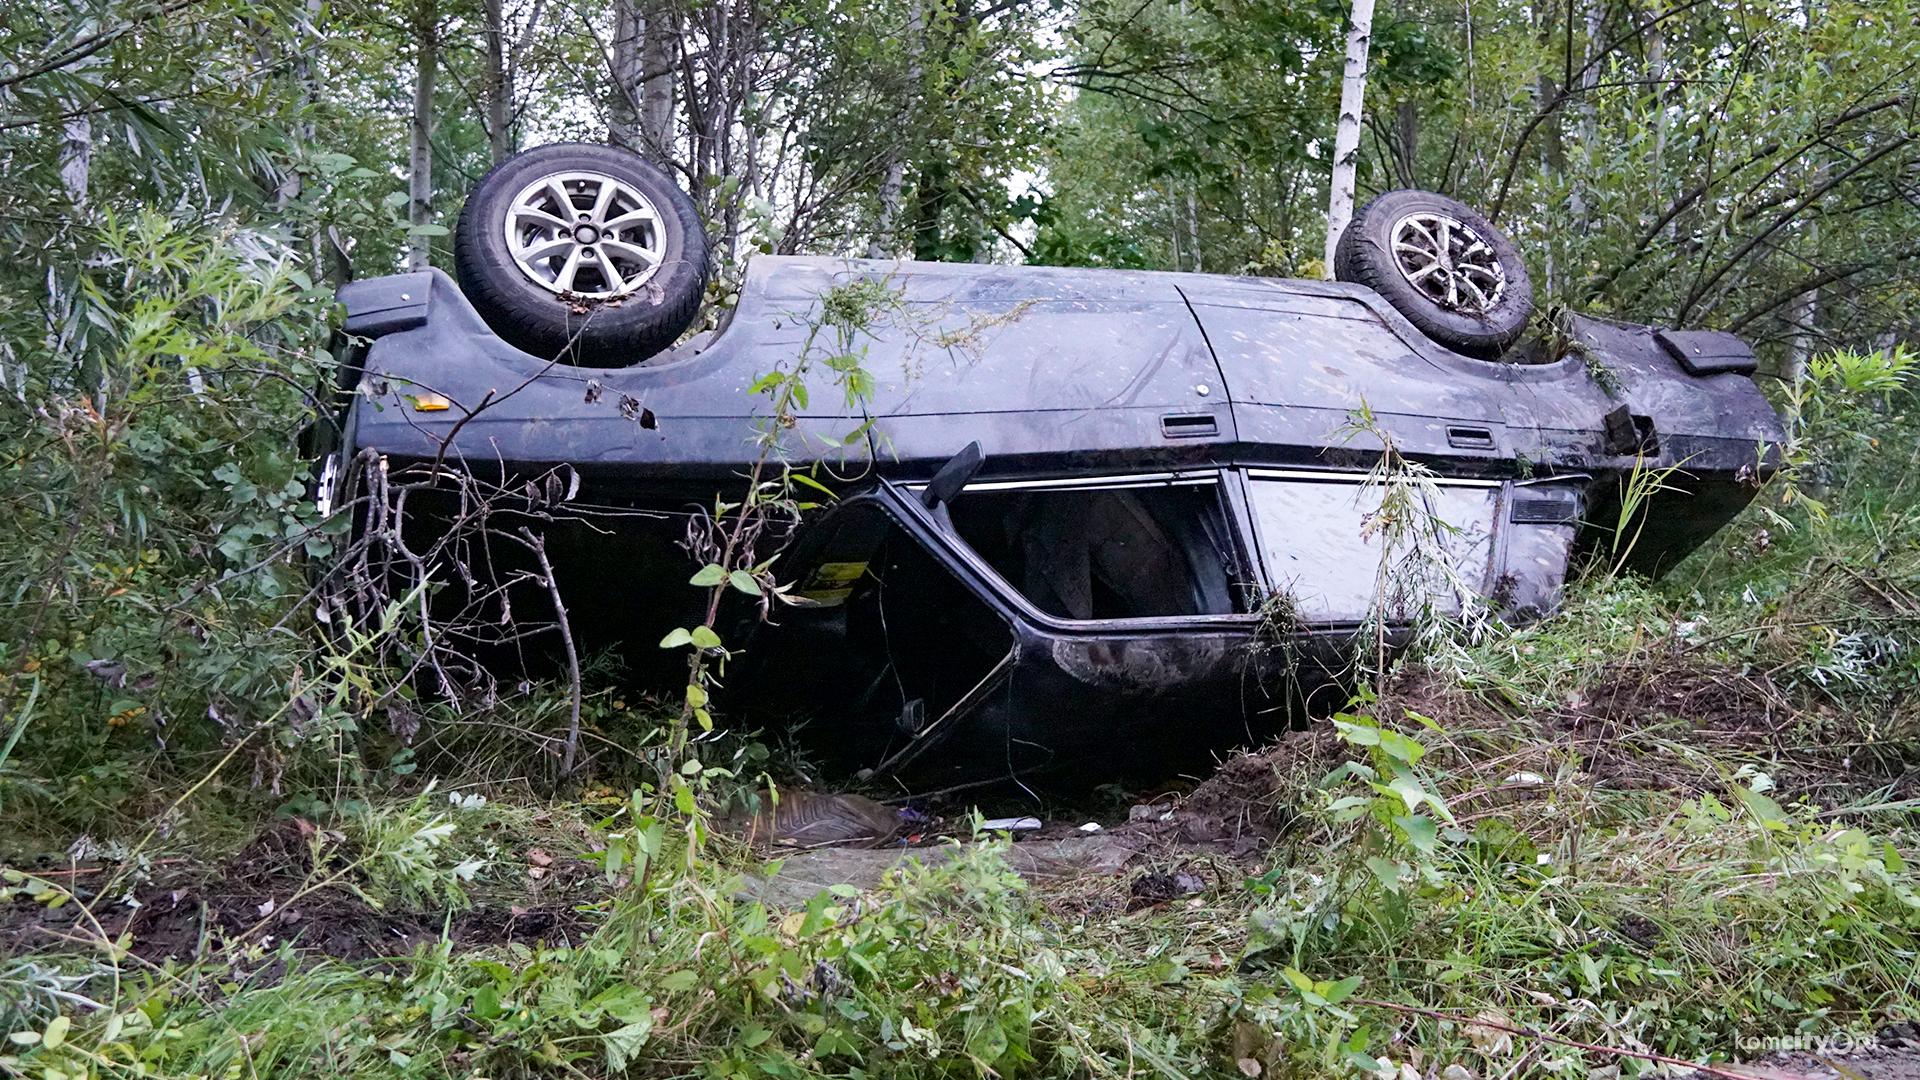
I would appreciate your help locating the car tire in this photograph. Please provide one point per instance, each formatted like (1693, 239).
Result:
(607, 280)
(1454, 276)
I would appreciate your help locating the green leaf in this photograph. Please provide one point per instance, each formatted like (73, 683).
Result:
(624, 1042)
(708, 575)
(1343, 989)
(744, 582)
(1401, 748)
(56, 1033)
(1413, 794)
(1767, 812)
(676, 638)
(1891, 859)
(696, 696)
(803, 478)
(1297, 978)
(704, 719)
(704, 637)
(1421, 832)
(1389, 872)
(1590, 971)
(1358, 734)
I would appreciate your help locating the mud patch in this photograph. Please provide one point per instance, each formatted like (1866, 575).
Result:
(190, 913)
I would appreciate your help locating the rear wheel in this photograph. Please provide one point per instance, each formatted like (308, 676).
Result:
(1443, 266)
(582, 253)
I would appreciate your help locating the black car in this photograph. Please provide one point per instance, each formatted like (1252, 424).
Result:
(1101, 522)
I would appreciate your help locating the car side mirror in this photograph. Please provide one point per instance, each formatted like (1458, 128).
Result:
(954, 476)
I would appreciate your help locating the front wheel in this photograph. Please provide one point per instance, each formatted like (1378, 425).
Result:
(1455, 277)
(582, 253)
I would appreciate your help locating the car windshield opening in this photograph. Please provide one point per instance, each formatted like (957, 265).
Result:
(1108, 551)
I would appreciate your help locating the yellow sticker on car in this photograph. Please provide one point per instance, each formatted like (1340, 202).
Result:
(831, 583)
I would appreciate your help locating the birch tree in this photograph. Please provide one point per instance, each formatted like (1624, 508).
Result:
(1346, 134)
(426, 40)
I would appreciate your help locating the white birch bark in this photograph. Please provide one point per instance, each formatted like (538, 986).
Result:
(891, 184)
(420, 134)
(1346, 134)
(657, 67)
(882, 242)
(1588, 126)
(499, 95)
(76, 159)
(623, 109)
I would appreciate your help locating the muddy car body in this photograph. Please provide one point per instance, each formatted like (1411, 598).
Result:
(1158, 456)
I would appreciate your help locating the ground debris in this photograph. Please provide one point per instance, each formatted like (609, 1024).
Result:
(799, 818)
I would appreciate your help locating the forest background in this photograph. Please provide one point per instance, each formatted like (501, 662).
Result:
(183, 183)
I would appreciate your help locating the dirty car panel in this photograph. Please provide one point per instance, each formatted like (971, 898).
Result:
(1172, 536)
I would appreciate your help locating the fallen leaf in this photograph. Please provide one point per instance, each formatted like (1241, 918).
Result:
(1488, 1039)
(539, 857)
(1249, 1066)
(266, 909)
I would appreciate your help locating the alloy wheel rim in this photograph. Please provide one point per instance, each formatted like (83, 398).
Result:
(584, 234)
(1449, 262)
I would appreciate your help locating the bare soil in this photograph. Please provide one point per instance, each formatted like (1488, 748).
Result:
(183, 912)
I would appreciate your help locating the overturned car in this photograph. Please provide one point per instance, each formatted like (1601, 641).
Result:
(1098, 523)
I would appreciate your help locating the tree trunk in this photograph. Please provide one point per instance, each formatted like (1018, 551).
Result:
(1193, 230)
(880, 245)
(1584, 84)
(1657, 74)
(76, 159)
(623, 105)
(1346, 135)
(657, 65)
(1406, 143)
(499, 85)
(426, 28)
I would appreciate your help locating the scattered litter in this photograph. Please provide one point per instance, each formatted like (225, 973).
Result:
(1526, 778)
(1011, 824)
(1090, 827)
(1149, 812)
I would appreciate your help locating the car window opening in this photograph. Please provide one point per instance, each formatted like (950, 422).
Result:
(1321, 544)
(1111, 553)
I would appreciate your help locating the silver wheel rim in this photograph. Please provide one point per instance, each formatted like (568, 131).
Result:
(1448, 261)
(584, 234)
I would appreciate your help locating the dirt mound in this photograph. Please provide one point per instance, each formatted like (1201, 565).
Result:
(1245, 804)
